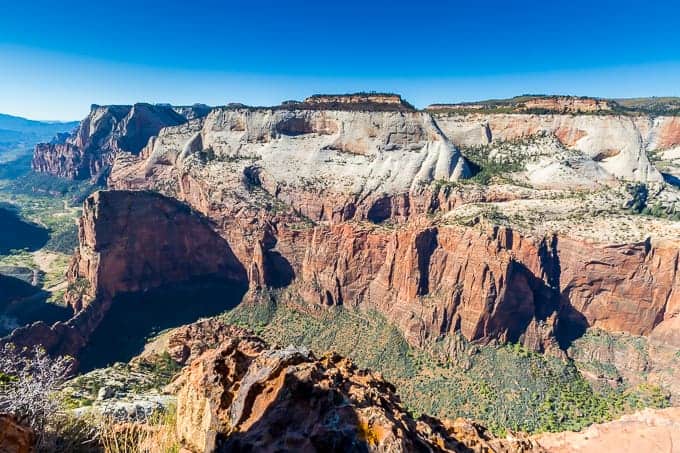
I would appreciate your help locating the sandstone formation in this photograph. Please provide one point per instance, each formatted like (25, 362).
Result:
(186, 343)
(357, 101)
(243, 396)
(368, 98)
(648, 430)
(107, 130)
(618, 144)
(343, 155)
(131, 242)
(543, 104)
(290, 192)
(349, 207)
(567, 104)
(15, 438)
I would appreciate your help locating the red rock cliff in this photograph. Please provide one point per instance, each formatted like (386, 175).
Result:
(131, 242)
(106, 130)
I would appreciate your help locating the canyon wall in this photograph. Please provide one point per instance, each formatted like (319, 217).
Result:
(131, 242)
(298, 194)
(617, 143)
(430, 280)
(342, 207)
(487, 283)
(107, 130)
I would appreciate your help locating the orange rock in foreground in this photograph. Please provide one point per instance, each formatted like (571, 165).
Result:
(242, 396)
(645, 431)
(15, 438)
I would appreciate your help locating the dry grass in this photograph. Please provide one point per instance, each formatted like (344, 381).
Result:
(156, 435)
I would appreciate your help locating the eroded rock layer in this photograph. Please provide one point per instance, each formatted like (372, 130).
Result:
(243, 396)
(347, 206)
(429, 279)
(618, 144)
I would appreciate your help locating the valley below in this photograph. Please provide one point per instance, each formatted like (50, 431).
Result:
(508, 274)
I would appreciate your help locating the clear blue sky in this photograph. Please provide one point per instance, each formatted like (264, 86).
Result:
(58, 57)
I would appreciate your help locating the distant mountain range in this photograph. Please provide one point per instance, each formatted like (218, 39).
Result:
(19, 135)
(26, 126)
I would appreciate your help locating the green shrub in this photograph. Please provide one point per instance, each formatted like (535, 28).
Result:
(503, 387)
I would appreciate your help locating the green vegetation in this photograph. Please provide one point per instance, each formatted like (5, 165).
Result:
(161, 369)
(502, 386)
(497, 160)
(52, 212)
(640, 204)
(44, 204)
(135, 378)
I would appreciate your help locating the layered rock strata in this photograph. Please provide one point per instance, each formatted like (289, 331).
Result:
(431, 280)
(544, 104)
(618, 144)
(427, 277)
(341, 206)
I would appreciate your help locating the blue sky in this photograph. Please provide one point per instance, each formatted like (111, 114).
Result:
(56, 58)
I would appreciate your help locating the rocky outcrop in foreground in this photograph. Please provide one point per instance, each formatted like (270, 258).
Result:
(15, 438)
(645, 431)
(243, 396)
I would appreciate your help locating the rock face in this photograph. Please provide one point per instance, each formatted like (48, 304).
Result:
(631, 288)
(340, 157)
(302, 197)
(433, 280)
(358, 101)
(243, 396)
(619, 144)
(429, 279)
(107, 130)
(15, 438)
(567, 104)
(648, 430)
(131, 242)
(342, 206)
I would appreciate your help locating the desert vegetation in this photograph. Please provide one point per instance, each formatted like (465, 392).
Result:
(32, 390)
(503, 386)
